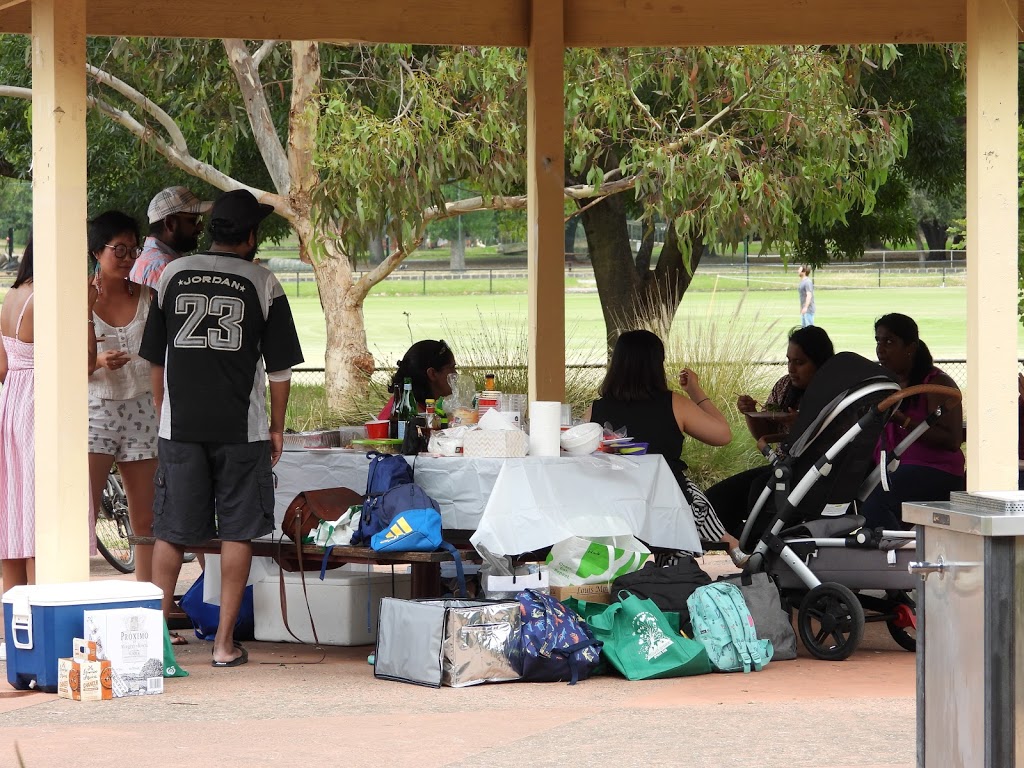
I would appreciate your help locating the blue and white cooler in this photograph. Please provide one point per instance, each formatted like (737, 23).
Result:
(41, 622)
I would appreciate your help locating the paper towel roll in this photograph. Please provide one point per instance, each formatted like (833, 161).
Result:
(545, 428)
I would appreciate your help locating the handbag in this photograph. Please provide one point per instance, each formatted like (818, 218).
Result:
(771, 622)
(640, 642)
(309, 508)
(668, 587)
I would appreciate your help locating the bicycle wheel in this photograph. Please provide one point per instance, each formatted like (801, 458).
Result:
(113, 528)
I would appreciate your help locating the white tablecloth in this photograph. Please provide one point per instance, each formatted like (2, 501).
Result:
(519, 505)
(539, 501)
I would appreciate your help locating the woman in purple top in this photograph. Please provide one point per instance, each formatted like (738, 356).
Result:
(933, 466)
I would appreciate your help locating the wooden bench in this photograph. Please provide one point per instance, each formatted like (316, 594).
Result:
(425, 566)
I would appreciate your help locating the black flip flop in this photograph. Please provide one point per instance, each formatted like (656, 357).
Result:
(236, 662)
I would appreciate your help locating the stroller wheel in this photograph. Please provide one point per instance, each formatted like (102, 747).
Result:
(831, 622)
(904, 627)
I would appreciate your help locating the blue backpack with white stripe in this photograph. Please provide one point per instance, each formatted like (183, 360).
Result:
(724, 626)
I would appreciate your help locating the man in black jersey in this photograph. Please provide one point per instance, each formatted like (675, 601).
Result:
(220, 326)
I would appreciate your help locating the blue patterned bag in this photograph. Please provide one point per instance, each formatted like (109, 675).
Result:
(555, 644)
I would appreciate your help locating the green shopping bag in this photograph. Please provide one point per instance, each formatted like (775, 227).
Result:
(639, 642)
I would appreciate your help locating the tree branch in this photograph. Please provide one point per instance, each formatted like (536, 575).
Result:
(186, 162)
(16, 92)
(178, 158)
(263, 52)
(258, 110)
(362, 286)
(141, 101)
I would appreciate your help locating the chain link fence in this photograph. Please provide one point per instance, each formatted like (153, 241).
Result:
(314, 377)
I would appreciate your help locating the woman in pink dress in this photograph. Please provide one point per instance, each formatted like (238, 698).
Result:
(17, 430)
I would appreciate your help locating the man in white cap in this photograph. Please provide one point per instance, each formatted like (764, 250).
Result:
(175, 223)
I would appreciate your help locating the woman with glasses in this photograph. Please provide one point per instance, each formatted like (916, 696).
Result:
(122, 418)
(428, 363)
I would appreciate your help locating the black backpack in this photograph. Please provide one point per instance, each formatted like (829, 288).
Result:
(667, 587)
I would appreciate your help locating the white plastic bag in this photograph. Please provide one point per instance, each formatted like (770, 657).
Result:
(339, 532)
(576, 561)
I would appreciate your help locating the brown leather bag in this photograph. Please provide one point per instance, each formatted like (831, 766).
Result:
(310, 507)
(302, 516)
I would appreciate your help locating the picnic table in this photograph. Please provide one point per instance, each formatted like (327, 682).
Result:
(425, 567)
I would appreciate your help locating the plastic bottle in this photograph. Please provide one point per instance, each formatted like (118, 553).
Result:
(489, 382)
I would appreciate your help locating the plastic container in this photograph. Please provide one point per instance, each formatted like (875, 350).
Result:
(41, 622)
(377, 429)
(344, 605)
(390, 445)
(582, 439)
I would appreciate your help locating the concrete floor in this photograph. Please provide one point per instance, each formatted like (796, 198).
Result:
(294, 705)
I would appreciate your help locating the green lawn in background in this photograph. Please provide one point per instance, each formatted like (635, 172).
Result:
(392, 323)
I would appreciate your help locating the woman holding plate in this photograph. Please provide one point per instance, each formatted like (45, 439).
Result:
(809, 349)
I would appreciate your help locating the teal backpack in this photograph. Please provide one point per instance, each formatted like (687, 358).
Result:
(723, 624)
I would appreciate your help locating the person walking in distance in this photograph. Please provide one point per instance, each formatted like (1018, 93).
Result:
(806, 290)
(219, 324)
(175, 223)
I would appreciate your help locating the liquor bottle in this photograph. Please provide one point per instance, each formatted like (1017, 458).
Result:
(406, 411)
(396, 403)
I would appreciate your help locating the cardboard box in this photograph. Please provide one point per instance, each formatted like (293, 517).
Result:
(589, 593)
(84, 680)
(495, 443)
(132, 640)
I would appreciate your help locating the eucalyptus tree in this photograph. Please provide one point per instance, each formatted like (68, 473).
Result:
(355, 141)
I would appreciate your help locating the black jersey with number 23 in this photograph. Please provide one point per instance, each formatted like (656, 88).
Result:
(218, 325)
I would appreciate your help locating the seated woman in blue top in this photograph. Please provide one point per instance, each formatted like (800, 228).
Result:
(635, 395)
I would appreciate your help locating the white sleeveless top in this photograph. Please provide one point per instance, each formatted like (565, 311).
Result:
(133, 379)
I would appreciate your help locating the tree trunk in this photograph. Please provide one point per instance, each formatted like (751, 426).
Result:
(935, 233)
(457, 261)
(632, 294)
(376, 250)
(348, 363)
(570, 235)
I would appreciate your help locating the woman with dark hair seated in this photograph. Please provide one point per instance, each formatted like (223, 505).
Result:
(809, 349)
(428, 363)
(635, 396)
(933, 466)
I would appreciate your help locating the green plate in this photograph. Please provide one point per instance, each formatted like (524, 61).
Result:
(375, 443)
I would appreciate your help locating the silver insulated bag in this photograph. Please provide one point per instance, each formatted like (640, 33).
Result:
(448, 642)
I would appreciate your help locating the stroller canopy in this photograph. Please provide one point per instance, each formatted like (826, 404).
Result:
(844, 374)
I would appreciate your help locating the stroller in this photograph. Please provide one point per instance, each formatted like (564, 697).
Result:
(803, 529)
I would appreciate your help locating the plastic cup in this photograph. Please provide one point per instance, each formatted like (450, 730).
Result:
(377, 429)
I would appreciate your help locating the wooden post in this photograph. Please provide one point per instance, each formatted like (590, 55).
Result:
(545, 157)
(61, 304)
(991, 407)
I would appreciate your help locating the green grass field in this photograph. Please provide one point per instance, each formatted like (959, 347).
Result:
(393, 322)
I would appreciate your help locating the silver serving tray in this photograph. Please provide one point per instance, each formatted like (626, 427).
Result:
(304, 441)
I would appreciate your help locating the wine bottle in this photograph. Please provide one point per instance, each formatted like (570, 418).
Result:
(396, 404)
(406, 412)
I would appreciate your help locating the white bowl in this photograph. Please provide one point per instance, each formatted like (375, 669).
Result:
(582, 439)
